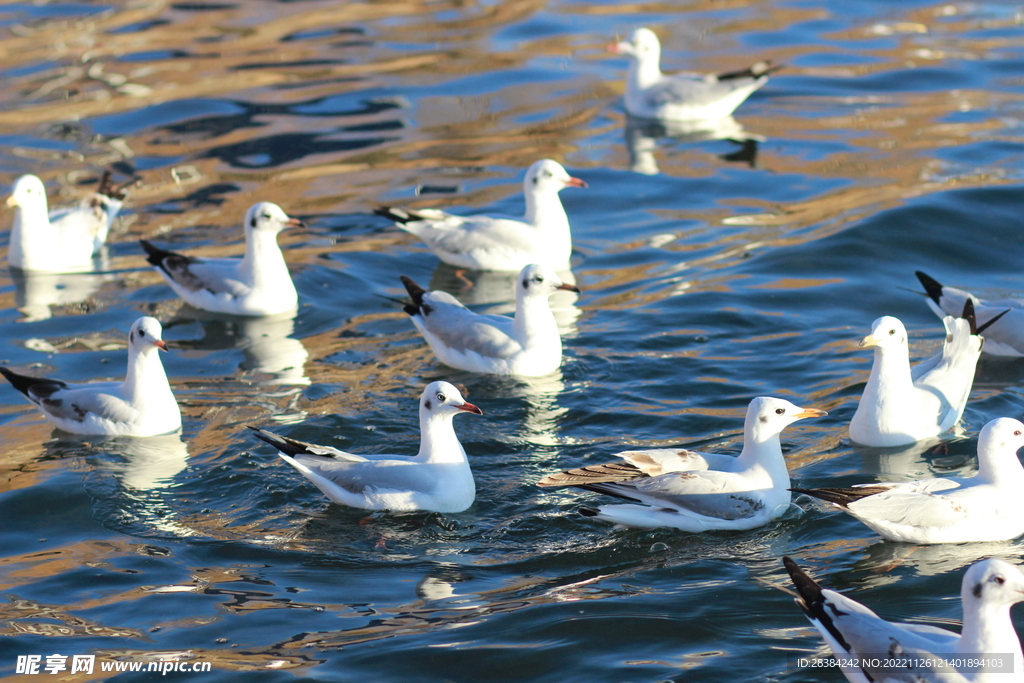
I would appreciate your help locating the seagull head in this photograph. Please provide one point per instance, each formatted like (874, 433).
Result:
(886, 333)
(145, 333)
(269, 217)
(547, 175)
(992, 582)
(28, 190)
(1003, 434)
(540, 281)
(644, 45)
(442, 398)
(767, 417)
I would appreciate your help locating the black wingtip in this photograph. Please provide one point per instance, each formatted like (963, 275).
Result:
(23, 383)
(155, 255)
(589, 512)
(757, 70)
(985, 326)
(931, 286)
(108, 189)
(812, 600)
(969, 316)
(397, 215)
(416, 293)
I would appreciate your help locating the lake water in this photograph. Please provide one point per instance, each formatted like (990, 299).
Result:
(891, 142)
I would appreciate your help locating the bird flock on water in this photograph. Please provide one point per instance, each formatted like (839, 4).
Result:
(687, 490)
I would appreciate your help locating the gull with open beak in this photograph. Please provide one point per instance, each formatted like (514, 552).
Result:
(141, 405)
(438, 478)
(694, 491)
(501, 243)
(902, 405)
(257, 284)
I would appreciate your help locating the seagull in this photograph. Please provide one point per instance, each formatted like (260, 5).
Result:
(684, 96)
(985, 507)
(698, 491)
(527, 345)
(254, 285)
(437, 478)
(63, 240)
(854, 632)
(902, 405)
(500, 242)
(1003, 338)
(141, 405)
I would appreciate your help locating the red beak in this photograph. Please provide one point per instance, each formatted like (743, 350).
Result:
(568, 288)
(294, 223)
(160, 344)
(614, 48)
(576, 182)
(470, 408)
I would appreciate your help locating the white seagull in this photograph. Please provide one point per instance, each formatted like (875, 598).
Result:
(683, 96)
(254, 285)
(986, 507)
(437, 478)
(63, 240)
(699, 491)
(141, 405)
(857, 634)
(499, 242)
(902, 405)
(1005, 333)
(528, 345)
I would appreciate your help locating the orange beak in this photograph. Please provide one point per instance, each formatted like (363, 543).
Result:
(294, 223)
(160, 344)
(811, 412)
(568, 288)
(576, 182)
(470, 408)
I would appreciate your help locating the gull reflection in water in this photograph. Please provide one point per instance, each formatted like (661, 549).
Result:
(642, 139)
(35, 293)
(482, 287)
(926, 459)
(144, 463)
(930, 560)
(269, 353)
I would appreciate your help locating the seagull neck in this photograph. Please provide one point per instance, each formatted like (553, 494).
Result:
(994, 465)
(145, 376)
(263, 258)
(764, 453)
(890, 378)
(988, 630)
(534, 319)
(545, 207)
(30, 239)
(438, 442)
(643, 73)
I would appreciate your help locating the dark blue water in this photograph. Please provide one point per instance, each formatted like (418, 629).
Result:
(891, 142)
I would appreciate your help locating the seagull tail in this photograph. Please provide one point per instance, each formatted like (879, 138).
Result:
(282, 443)
(812, 600)
(840, 496)
(416, 293)
(931, 286)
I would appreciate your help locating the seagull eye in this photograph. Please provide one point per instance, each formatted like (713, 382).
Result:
(780, 411)
(266, 216)
(440, 397)
(142, 333)
(892, 332)
(538, 279)
(1017, 433)
(999, 580)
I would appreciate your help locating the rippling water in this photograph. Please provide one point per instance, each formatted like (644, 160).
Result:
(891, 142)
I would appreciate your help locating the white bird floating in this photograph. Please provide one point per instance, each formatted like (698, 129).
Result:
(63, 240)
(986, 507)
(695, 491)
(902, 405)
(527, 345)
(438, 478)
(870, 644)
(255, 285)
(540, 236)
(683, 96)
(141, 405)
(1004, 318)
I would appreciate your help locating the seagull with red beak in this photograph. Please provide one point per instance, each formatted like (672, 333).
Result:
(141, 405)
(501, 243)
(437, 478)
(255, 285)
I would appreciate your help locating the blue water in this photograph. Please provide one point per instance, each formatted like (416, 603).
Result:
(891, 142)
